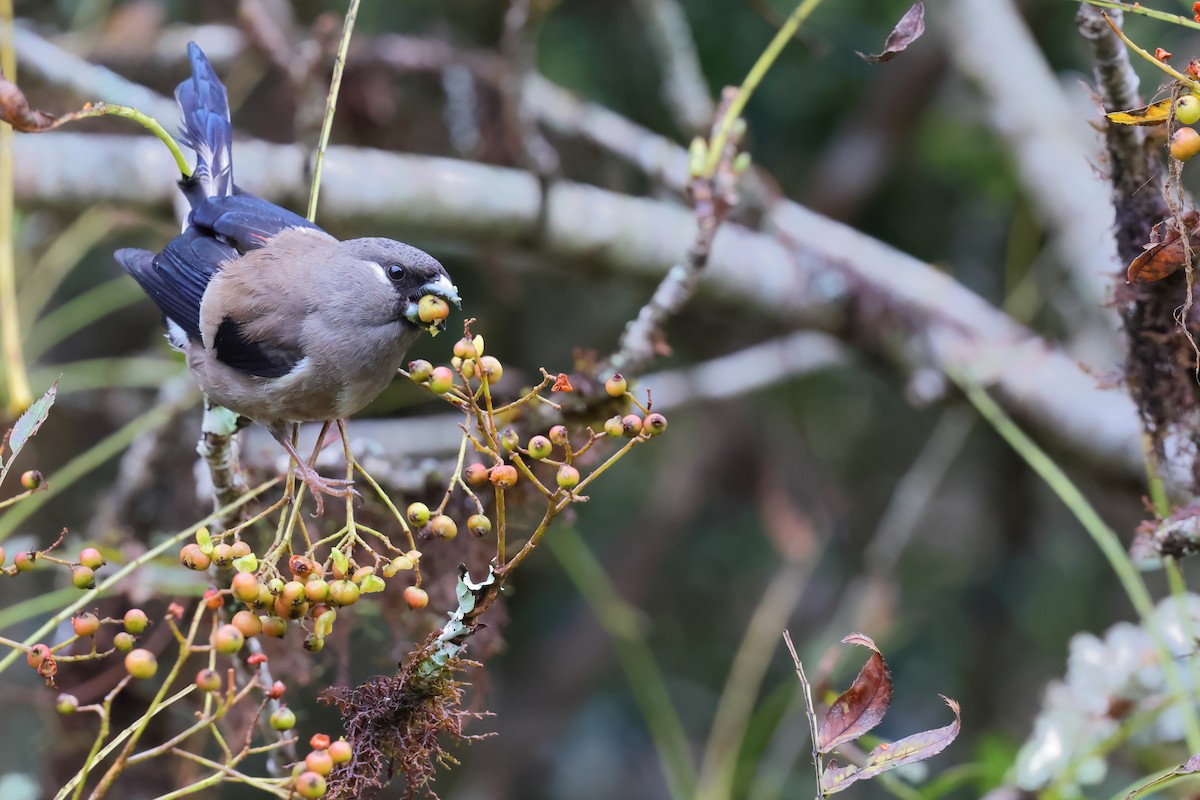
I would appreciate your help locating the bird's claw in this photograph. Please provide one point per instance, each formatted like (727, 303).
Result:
(319, 485)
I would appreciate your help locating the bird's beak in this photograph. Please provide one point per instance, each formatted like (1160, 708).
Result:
(444, 289)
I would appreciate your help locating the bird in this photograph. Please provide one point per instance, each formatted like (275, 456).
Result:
(280, 322)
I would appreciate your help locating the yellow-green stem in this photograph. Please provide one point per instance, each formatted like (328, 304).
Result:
(755, 76)
(18, 392)
(335, 85)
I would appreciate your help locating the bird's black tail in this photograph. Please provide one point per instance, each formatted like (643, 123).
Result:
(206, 130)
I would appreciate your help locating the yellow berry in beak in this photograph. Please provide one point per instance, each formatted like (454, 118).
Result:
(433, 311)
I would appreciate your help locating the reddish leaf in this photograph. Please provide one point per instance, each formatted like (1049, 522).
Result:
(861, 707)
(1165, 254)
(887, 757)
(907, 30)
(15, 110)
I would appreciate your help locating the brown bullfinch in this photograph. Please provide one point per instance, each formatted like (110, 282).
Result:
(280, 322)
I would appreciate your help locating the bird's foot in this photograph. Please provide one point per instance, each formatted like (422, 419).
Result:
(319, 485)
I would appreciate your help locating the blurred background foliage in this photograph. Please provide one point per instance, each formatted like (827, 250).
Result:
(979, 604)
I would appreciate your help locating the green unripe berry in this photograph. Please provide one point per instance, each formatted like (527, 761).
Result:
(417, 514)
(123, 642)
(24, 561)
(464, 348)
(141, 664)
(431, 309)
(227, 639)
(83, 577)
(509, 440)
(222, 555)
(314, 643)
(340, 751)
(493, 370)
(568, 477)
(2, 556)
(344, 593)
(540, 447)
(319, 761)
(66, 704)
(283, 719)
(558, 435)
(1187, 109)
(616, 386)
(31, 480)
(316, 590)
(135, 621)
(479, 525)
(420, 370)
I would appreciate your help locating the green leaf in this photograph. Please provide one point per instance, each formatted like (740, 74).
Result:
(27, 425)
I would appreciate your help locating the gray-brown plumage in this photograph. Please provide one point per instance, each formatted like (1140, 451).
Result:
(280, 322)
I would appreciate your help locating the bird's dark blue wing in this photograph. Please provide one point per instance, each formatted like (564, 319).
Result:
(263, 359)
(176, 278)
(245, 221)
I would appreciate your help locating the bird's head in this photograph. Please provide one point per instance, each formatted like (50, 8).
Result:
(413, 275)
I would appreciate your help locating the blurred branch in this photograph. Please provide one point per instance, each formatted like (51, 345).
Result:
(522, 23)
(17, 391)
(1047, 136)
(684, 89)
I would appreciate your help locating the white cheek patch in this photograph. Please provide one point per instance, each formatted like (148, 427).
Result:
(379, 272)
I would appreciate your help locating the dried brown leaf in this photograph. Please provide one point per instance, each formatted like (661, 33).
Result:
(889, 756)
(861, 707)
(15, 110)
(1164, 254)
(907, 30)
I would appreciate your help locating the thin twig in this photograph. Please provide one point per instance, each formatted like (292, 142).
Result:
(810, 711)
(339, 65)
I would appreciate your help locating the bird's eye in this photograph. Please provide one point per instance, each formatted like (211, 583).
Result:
(396, 272)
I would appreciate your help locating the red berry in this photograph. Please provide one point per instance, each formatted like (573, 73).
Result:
(655, 424)
(340, 751)
(36, 655)
(504, 476)
(91, 557)
(302, 566)
(319, 741)
(443, 527)
(248, 623)
(85, 624)
(568, 477)
(2, 556)
(213, 599)
(245, 587)
(539, 447)
(319, 761)
(141, 664)
(416, 597)
(83, 577)
(1185, 143)
(208, 680)
(135, 621)
(277, 690)
(558, 435)
(192, 557)
(24, 561)
(239, 549)
(288, 610)
(441, 380)
(476, 475)
(616, 386)
(631, 425)
(31, 479)
(479, 525)
(316, 590)
(275, 627)
(283, 719)
(464, 348)
(310, 785)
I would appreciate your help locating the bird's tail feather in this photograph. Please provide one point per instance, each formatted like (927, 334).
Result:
(206, 129)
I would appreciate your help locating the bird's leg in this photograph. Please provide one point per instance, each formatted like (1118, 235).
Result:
(317, 483)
